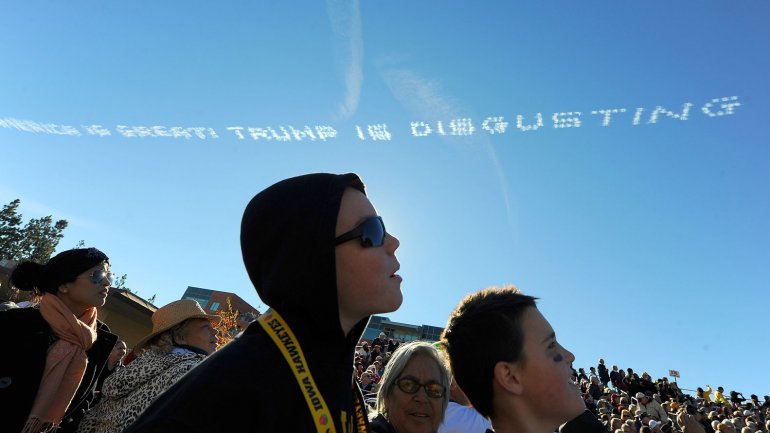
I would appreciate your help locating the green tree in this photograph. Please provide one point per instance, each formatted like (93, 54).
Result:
(120, 283)
(10, 229)
(36, 241)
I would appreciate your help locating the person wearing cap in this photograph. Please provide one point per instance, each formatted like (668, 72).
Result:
(652, 407)
(320, 258)
(182, 336)
(55, 351)
(656, 426)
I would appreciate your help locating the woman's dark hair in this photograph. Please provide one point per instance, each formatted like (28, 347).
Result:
(61, 269)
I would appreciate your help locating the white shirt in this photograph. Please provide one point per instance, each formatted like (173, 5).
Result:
(463, 419)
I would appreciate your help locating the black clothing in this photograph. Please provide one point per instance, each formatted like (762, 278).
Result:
(604, 375)
(381, 425)
(584, 423)
(22, 365)
(596, 391)
(382, 343)
(614, 378)
(287, 240)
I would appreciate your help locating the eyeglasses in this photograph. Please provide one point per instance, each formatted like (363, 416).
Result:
(411, 386)
(371, 231)
(99, 276)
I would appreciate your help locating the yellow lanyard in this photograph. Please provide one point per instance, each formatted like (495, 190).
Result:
(287, 343)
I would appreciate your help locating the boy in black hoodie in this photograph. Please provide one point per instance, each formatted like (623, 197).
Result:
(319, 256)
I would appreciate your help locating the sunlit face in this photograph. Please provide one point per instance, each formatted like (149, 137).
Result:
(416, 413)
(118, 352)
(83, 293)
(546, 372)
(367, 282)
(199, 333)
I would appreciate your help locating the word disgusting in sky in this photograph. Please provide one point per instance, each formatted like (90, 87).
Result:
(493, 125)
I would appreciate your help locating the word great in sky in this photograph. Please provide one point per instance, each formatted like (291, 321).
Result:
(493, 125)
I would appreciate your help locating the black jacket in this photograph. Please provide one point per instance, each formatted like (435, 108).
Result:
(27, 337)
(381, 425)
(287, 238)
(584, 423)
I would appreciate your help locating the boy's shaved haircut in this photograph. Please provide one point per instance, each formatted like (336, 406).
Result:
(483, 330)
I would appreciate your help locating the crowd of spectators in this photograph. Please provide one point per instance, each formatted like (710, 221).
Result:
(627, 402)
(370, 361)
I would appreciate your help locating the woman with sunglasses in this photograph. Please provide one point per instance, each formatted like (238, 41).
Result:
(56, 350)
(319, 256)
(413, 391)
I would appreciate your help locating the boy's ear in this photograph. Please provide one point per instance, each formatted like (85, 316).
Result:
(508, 376)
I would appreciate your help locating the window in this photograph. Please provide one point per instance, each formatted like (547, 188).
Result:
(214, 306)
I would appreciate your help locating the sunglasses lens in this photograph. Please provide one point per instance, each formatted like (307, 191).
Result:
(407, 385)
(434, 390)
(99, 276)
(373, 233)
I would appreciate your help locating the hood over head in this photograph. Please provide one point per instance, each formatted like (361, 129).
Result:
(287, 241)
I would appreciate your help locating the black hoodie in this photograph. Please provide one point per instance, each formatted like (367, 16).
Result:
(287, 240)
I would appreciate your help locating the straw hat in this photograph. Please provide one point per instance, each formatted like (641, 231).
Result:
(170, 315)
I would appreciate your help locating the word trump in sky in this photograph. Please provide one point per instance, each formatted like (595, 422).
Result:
(493, 125)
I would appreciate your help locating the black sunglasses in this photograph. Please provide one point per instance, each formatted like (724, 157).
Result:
(411, 386)
(371, 231)
(99, 275)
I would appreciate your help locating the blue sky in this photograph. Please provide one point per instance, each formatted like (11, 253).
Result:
(646, 240)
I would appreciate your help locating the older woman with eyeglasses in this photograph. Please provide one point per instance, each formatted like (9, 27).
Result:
(413, 393)
(55, 351)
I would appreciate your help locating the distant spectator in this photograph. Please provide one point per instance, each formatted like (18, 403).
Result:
(381, 341)
(726, 426)
(622, 383)
(582, 374)
(719, 396)
(392, 345)
(736, 398)
(656, 426)
(594, 389)
(688, 420)
(651, 407)
(367, 382)
(604, 375)
(614, 376)
(704, 394)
